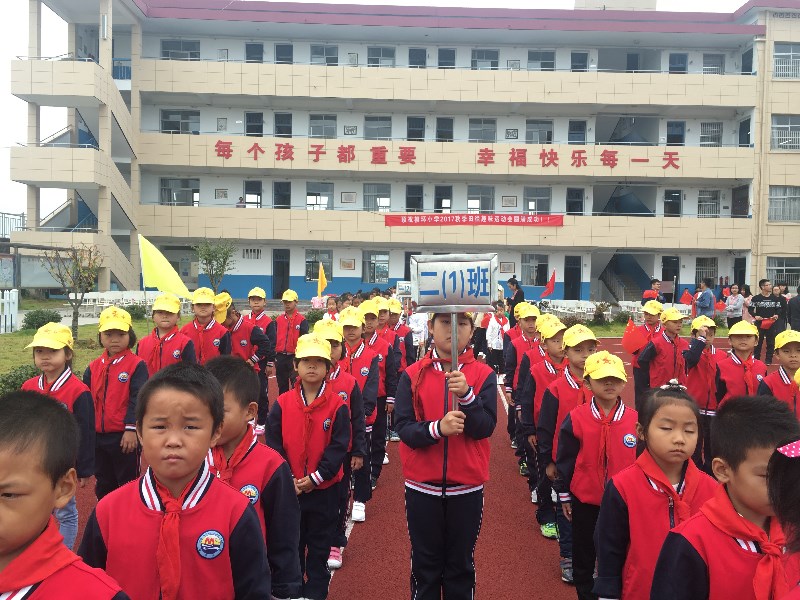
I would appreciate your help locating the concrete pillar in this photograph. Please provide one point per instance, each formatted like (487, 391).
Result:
(104, 128)
(34, 123)
(34, 27)
(134, 246)
(105, 35)
(104, 279)
(104, 211)
(32, 213)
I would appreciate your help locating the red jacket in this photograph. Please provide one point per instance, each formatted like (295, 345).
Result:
(115, 384)
(362, 363)
(648, 333)
(159, 352)
(387, 375)
(663, 359)
(248, 342)
(780, 385)
(345, 386)
(560, 397)
(542, 374)
(210, 341)
(737, 378)
(701, 374)
(288, 330)
(408, 352)
(513, 358)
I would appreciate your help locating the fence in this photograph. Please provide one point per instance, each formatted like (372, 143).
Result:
(9, 307)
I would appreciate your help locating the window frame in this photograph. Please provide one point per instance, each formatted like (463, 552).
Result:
(417, 138)
(278, 129)
(494, 63)
(371, 260)
(480, 199)
(283, 46)
(256, 202)
(329, 51)
(785, 136)
(708, 204)
(572, 55)
(533, 270)
(571, 132)
(288, 192)
(326, 122)
(574, 191)
(181, 113)
(552, 62)
(418, 197)
(710, 268)
(379, 123)
(246, 55)
(440, 138)
(184, 186)
(678, 69)
(683, 133)
(677, 198)
(784, 203)
(381, 60)
(711, 139)
(319, 195)
(439, 58)
(784, 268)
(182, 53)
(529, 131)
(440, 198)
(486, 125)
(415, 65)
(542, 202)
(786, 60)
(377, 197)
(315, 256)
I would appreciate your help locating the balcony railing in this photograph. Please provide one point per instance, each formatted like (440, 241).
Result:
(786, 68)
(121, 68)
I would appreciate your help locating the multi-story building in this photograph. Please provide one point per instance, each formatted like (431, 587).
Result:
(608, 146)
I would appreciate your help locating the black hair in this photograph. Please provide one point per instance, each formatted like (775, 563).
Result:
(744, 290)
(132, 339)
(513, 281)
(654, 280)
(750, 422)
(708, 281)
(666, 396)
(783, 481)
(236, 376)
(761, 282)
(184, 377)
(782, 282)
(328, 363)
(30, 420)
(69, 353)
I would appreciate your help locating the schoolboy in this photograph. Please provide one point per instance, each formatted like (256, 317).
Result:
(258, 472)
(781, 383)
(210, 338)
(398, 335)
(179, 532)
(257, 299)
(651, 310)
(248, 341)
(739, 373)
(289, 326)
(408, 353)
(733, 547)
(662, 359)
(310, 427)
(165, 345)
(38, 450)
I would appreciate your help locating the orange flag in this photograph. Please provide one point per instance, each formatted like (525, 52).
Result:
(633, 339)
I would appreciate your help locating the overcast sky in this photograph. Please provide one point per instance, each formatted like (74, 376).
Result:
(14, 42)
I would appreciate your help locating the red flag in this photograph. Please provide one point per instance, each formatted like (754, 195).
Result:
(650, 295)
(686, 298)
(551, 285)
(720, 306)
(726, 291)
(633, 339)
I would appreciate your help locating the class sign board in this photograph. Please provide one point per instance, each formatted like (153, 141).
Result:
(454, 283)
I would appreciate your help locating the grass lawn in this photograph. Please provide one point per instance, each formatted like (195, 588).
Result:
(43, 303)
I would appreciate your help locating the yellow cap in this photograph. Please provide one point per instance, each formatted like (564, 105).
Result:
(671, 314)
(550, 328)
(351, 317)
(369, 307)
(329, 329)
(257, 292)
(702, 321)
(203, 295)
(395, 307)
(653, 307)
(577, 334)
(289, 296)
(115, 317)
(544, 319)
(527, 310)
(52, 335)
(797, 377)
(517, 308)
(167, 303)
(222, 302)
(312, 344)
(381, 302)
(604, 364)
(743, 328)
(787, 337)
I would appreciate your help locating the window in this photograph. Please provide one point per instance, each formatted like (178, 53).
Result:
(537, 200)
(377, 197)
(414, 198)
(251, 253)
(577, 132)
(787, 60)
(179, 192)
(713, 64)
(444, 129)
(322, 126)
(786, 132)
(676, 133)
(319, 196)
(447, 58)
(632, 62)
(377, 128)
(180, 121)
(180, 49)
(252, 194)
(579, 61)
(485, 59)
(534, 269)
(324, 55)
(784, 203)
(710, 134)
(705, 267)
(415, 129)
(538, 131)
(574, 201)
(284, 54)
(313, 258)
(380, 56)
(254, 53)
(784, 269)
(282, 194)
(747, 62)
(672, 203)
(541, 60)
(744, 133)
(375, 267)
(482, 130)
(254, 123)
(443, 199)
(708, 204)
(417, 58)
(283, 125)
(678, 62)
(480, 199)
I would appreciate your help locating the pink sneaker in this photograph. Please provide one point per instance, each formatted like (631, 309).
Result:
(335, 558)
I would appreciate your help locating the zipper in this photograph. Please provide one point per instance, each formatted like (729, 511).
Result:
(286, 341)
(446, 439)
(671, 512)
(105, 396)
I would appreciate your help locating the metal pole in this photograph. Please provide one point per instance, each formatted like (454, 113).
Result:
(453, 355)
(674, 289)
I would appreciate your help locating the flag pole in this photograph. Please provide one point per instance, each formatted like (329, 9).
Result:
(674, 289)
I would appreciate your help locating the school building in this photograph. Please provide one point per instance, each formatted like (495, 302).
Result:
(609, 143)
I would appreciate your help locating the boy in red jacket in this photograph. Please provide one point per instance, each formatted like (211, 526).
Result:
(662, 359)
(257, 299)
(210, 338)
(165, 345)
(289, 326)
(740, 373)
(781, 383)
(38, 450)
(651, 310)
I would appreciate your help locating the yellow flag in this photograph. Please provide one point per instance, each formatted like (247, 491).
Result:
(322, 283)
(158, 273)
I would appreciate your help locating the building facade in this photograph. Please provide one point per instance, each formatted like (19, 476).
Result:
(609, 146)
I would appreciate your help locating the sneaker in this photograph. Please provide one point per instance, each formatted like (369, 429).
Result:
(258, 429)
(566, 570)
(359, 515)
(514, 444)
(373, 483)
(534, 497)
(386, 458)
(393, 437)
(335, 558)
(523, 469)
(549, 531)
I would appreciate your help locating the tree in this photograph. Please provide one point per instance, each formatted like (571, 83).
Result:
(216, 259)
(75, 269)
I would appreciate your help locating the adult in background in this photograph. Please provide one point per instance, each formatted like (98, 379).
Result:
(793, 311)
(734, 304)
(517, 296)
(654, 293)
(705, 301)
(748, 296)
(778, 292)
(766, 310)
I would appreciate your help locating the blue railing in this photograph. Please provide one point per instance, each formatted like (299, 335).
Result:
(122, 68)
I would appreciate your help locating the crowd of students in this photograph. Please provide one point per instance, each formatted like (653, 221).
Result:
(665, 500)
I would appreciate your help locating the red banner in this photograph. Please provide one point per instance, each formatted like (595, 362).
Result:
(413, 220)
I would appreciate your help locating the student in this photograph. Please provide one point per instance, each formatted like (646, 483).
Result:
(418, 322)
(53, 356)
(165, 345)
(654, 293)
(178, 531)
(115, 379)
(445, 457)
(739, 373)
(210, 338)
(289, 326)
(732, 548)
(331, 309)
(596, 442)
(248, 341)
(651, 310)
(257, 299)
(783, 481)
(38, 452)
(662, 489)
(258, 472)
(310, 427)
(781, 383)
(496, 326)
(408, 352)
(662, 359)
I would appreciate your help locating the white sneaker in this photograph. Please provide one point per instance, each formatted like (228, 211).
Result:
(386, 458)
(359, 512)
(534, 497)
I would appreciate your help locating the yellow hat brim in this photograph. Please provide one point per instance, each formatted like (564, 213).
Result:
(47, 342)
(118, 324)
(607, 371)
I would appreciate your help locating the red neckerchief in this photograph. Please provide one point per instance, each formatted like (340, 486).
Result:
(351, 353)
(431, 359)
(605, 432)
(770, 580)
(690, 481)
(45, 556)
(107, 361)
(555, 368)
(168, 551)
(532, 342)
(225, 466)
(308, 408)
(333, 315)
(576, 384)
(154, 360)
(201, 331)
(750, 380)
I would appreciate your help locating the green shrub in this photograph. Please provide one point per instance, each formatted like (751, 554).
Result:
(571, 320)
(721, 321)
(13, 380)
(312, 316)
(36, 318)
(137, 312)
(622, 317)
(599, 317)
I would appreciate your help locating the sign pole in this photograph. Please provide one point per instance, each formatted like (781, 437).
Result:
(674, 289)
(453, 355)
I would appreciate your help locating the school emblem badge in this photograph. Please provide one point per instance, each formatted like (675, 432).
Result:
(326, 424)
(176, 354)
(123, 377)
(210, 544)
(364, 371)
(629, 440)
(251, 493)
(216, 343)
(243, 343)
(343, 396)
(380, 357)
(297, 327)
